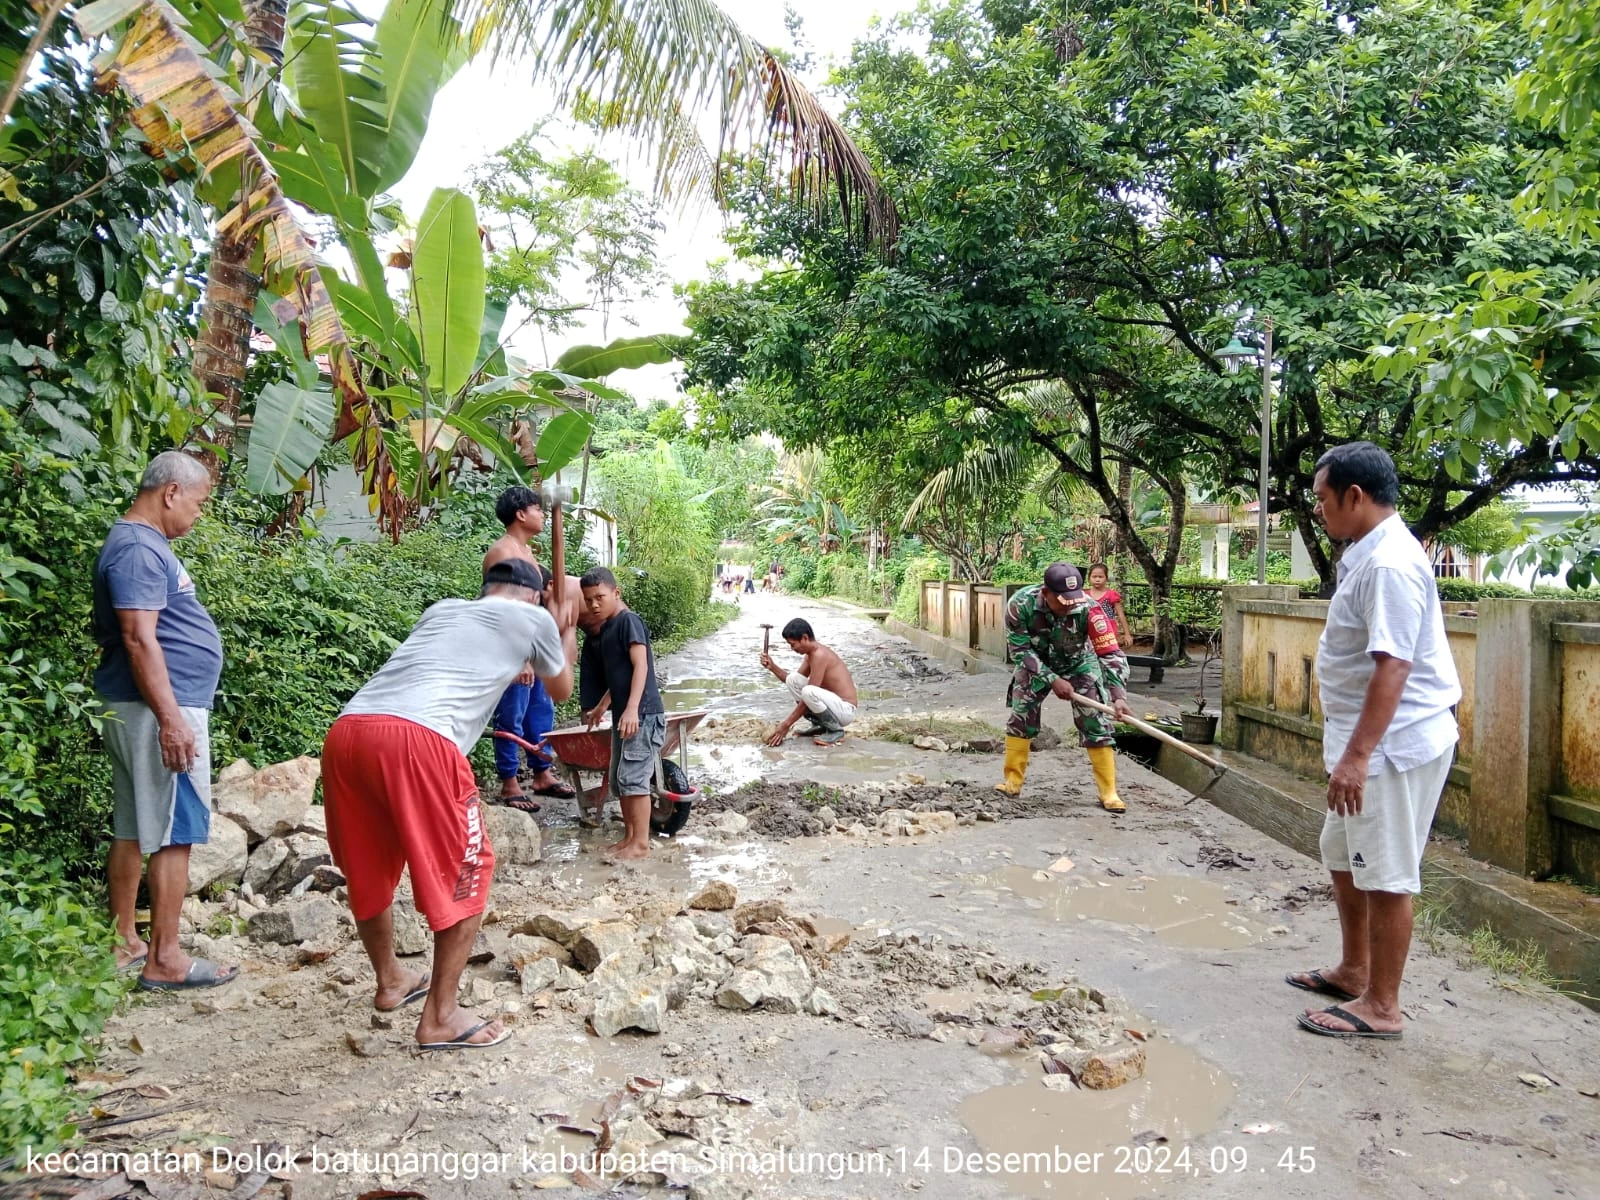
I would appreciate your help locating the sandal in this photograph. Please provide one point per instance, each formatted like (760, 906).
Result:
(1361, 1030)
(464, 1042)
(1319, 984)
(520, 803)
(202, 973)
(556, 791)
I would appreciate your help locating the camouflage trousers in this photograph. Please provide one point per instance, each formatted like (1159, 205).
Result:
(1028, 691)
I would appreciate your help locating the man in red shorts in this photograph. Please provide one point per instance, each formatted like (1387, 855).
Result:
(400, 793)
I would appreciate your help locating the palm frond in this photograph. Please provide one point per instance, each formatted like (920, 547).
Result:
(650, 66)
(188, 117)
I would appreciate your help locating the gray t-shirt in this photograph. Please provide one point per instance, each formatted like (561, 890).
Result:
(448, 675)
(137, 570)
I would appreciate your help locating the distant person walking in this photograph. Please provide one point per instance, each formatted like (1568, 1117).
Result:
(1388, 688)
(160, 660)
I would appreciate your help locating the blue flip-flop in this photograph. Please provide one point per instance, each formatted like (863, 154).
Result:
(415, 994)
(464, 1042)
(202, 973)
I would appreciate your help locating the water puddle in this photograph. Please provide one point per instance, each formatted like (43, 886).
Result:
(687, 695)
(1105, 1144)
(689, 861)
(1180, 910)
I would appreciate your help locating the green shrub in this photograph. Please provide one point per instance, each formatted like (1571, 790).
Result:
(667, 596)
(61, 984)
(798, 573)
(1010, 571)
(908, 602)
(822, 578)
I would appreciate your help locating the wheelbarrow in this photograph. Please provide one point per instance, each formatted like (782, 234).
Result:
(579, 748)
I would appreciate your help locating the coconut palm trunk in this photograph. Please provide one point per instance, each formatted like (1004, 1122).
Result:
(222, 351)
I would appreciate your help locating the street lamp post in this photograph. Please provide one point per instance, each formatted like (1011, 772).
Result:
(1231, 354)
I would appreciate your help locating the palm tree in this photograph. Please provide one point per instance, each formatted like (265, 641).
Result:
(804, 508)
(647, 68)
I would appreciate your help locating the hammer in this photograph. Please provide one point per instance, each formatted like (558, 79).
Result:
(766, 637)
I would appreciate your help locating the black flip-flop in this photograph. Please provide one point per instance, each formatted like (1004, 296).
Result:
(556, 791)
(136, 963)
(521, 804)
(415, 994)
(1361, 1030)
(463, 1042)
(1319, 985)
(202, 973)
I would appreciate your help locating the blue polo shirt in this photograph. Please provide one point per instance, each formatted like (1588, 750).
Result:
(138, 570)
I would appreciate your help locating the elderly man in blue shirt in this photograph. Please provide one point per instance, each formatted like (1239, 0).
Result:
(160, 660)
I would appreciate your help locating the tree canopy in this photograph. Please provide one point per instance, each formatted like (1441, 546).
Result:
(1093, 205)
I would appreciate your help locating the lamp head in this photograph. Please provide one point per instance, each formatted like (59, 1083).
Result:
(1234, 351)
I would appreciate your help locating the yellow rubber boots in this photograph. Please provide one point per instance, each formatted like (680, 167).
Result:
(1103, 759)
(1016, 766)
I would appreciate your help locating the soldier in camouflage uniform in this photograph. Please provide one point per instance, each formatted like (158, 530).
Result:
(1053, 640)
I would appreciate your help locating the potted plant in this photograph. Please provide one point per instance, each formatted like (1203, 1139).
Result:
(1199, 726)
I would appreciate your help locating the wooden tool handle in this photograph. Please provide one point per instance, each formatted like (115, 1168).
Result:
(1160, 735)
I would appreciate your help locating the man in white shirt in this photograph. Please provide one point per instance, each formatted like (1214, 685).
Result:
(400, 793)
(1389, 688)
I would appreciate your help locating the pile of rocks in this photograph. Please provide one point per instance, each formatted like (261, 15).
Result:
(269, 839)
(623, 973)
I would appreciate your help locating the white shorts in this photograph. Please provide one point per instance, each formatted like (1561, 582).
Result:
(830, 708)
(1382, 846)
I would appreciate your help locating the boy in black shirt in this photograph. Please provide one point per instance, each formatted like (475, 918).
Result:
(638, 717)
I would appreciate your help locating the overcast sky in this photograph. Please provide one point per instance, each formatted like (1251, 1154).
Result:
(484, 109)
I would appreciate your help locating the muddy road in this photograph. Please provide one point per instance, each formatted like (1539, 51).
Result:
(962, 960)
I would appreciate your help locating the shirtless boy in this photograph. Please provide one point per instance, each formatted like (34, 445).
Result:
(526, 709)
(822, 685)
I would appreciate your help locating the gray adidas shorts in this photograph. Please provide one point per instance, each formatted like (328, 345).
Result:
(149, 809)
(633, 762)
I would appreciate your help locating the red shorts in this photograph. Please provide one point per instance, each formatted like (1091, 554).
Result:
(399, 795)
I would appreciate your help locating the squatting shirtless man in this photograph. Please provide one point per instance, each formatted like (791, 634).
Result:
(822, 685)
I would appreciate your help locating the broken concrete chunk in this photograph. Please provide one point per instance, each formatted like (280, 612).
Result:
(514, 834)
(757, 912)
(290, 922)
(728, 823)
(264, 862)
(270, 802)
(220, 860)
(525, 947)
(363, 1043)
(305, 853)
(717, 896)
(411, 932)
(1107, 1069)
(598, 942)
(741, 990)
(640, 1005)
(821, 1003)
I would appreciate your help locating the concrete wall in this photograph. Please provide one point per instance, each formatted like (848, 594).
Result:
(1533, 804)
(971, 617)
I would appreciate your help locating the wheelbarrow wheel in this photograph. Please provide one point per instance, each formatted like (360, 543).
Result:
(676, 819)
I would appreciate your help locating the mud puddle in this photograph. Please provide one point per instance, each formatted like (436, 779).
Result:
(1112, 1144)
(1180, 910)
(573, 854)
(688, 695)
